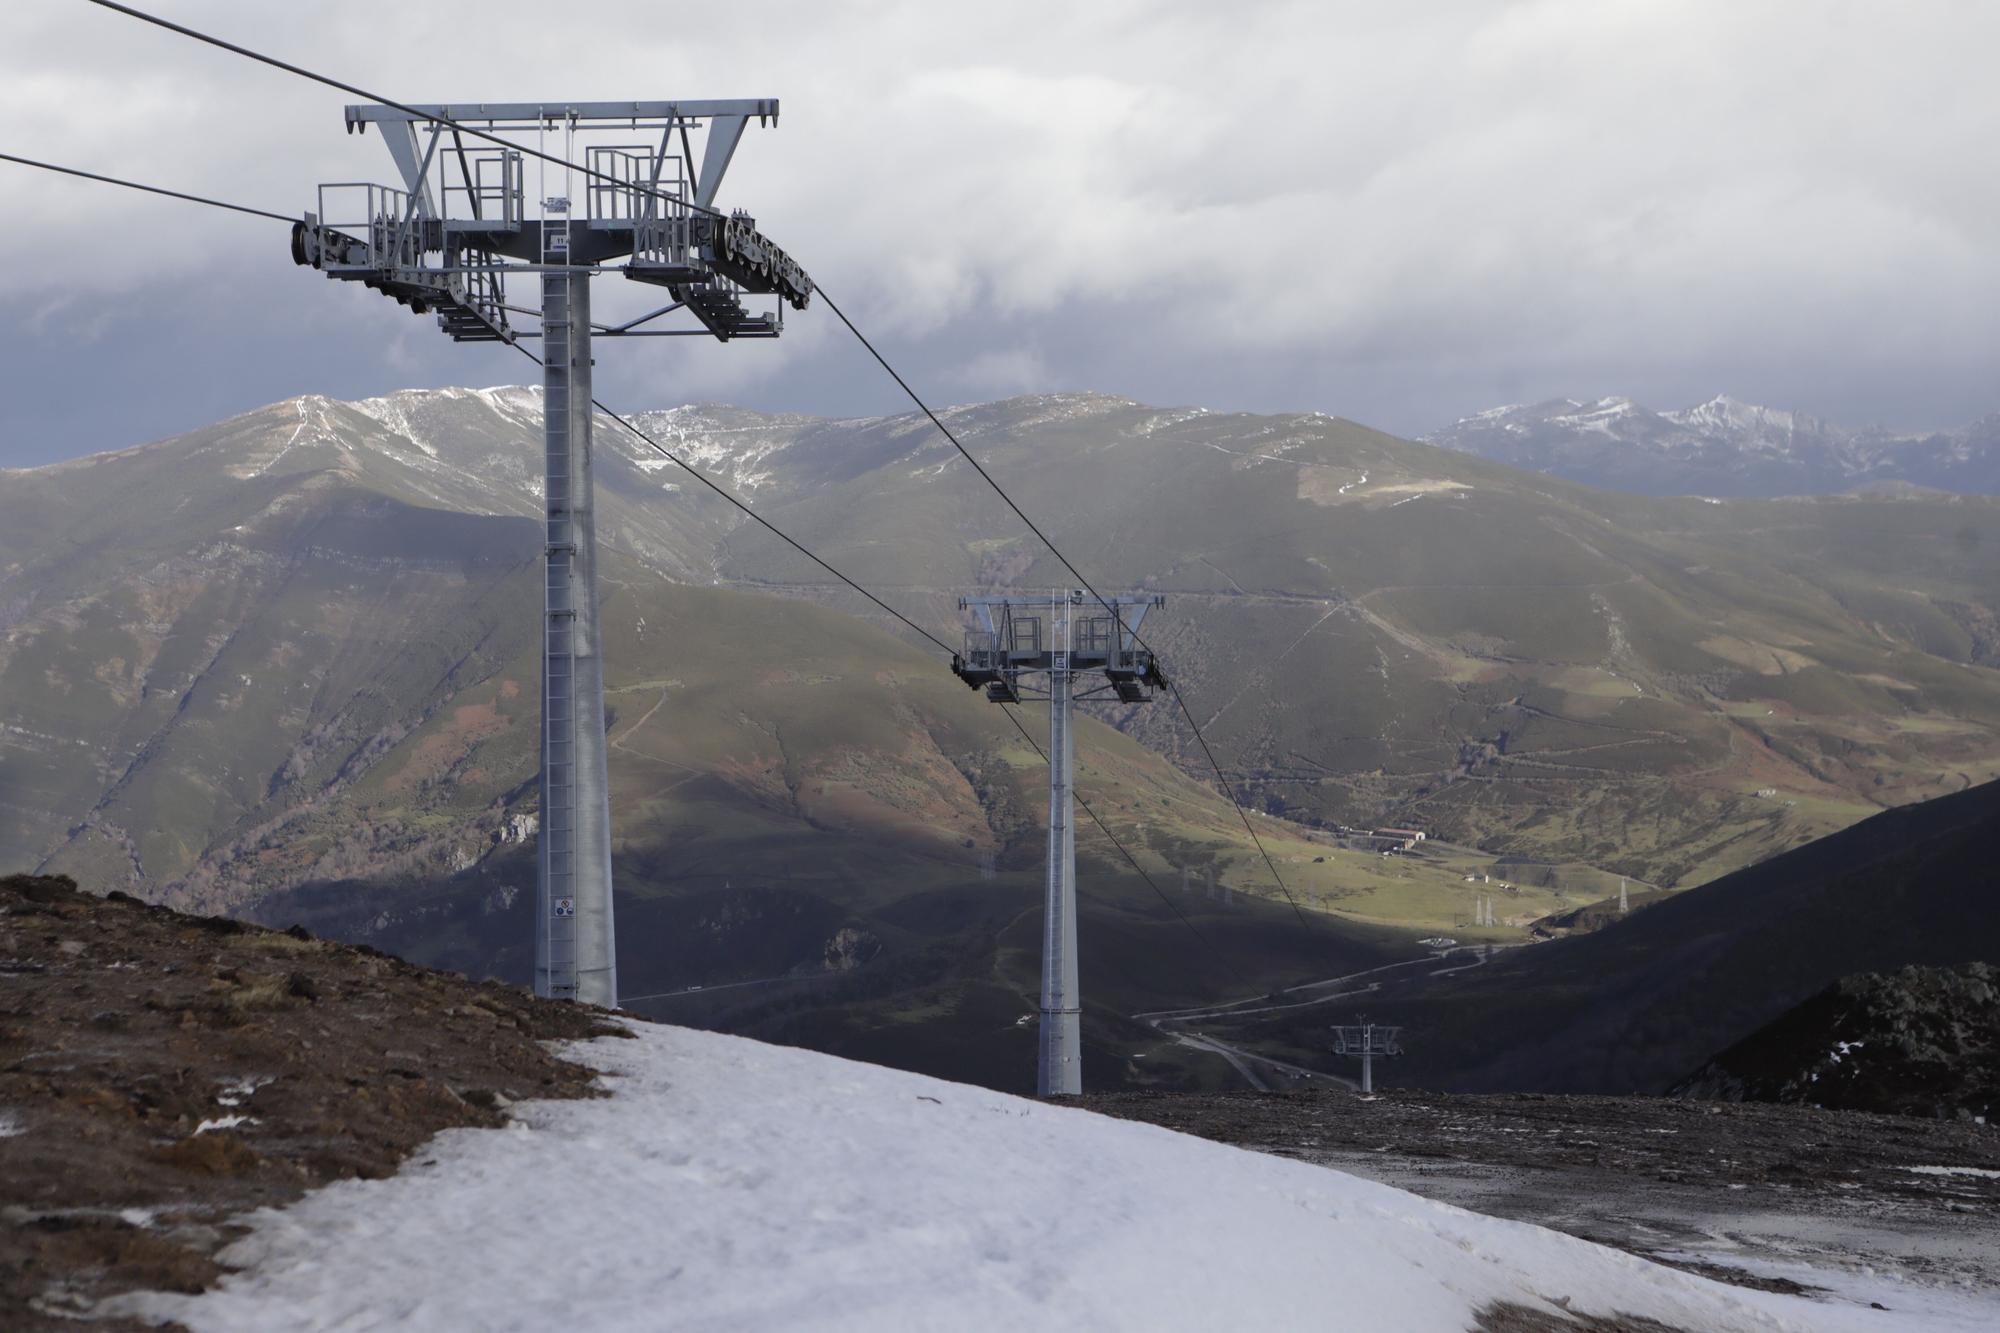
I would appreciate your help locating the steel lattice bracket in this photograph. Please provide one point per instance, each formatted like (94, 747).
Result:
(447, 240)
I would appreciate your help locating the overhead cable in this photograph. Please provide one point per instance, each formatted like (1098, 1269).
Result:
(1180, 699)
(720, 490)
(430, 117)
(1105, 829)
(149, 189)
(664, 452)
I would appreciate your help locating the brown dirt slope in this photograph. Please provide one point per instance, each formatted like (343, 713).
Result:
(161, 1073)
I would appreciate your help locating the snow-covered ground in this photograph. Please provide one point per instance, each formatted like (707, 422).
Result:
(733, 1185)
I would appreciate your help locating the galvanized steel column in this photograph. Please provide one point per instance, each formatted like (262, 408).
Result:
(575, 943)
(1061, 1064)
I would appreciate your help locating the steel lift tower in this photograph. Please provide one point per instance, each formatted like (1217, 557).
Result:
(1368, 1041)
(1013, 642)
(446, 241)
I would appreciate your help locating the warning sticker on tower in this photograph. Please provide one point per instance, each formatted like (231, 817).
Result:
(565, 907)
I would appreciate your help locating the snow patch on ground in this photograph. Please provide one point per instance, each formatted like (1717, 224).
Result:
(729, 1184)
(1908, 1304)
(238, 1090)
(1981, 1172)
(10, 1125)
(224, 1122)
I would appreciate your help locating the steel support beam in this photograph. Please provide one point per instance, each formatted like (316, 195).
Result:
(575, 946)
(531, 114)
(1060, 1069)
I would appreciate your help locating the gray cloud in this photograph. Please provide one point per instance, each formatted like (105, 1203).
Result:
(1394, 213)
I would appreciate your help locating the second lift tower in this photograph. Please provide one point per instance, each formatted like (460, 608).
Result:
(1019, 639)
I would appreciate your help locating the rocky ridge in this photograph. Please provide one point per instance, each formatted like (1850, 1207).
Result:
(1918, 1041)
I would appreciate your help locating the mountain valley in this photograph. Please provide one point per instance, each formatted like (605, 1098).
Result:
(285, 667)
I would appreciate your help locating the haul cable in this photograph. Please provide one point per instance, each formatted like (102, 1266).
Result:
(1221, 778)
(430, 117)
(720, 490)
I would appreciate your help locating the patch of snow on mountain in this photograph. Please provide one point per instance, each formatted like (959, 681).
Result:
(738, 453)
(523, 402)
(1746, 425)
(312, 428)
(728, 1184)
(1160, 421)
(1605, 416)
(1050, 408)
(392, 411)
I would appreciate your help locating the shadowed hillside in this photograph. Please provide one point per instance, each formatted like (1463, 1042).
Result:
(1919, 1041)
(1635, 1006)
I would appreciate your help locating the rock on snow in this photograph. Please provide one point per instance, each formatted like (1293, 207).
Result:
(729, 1184)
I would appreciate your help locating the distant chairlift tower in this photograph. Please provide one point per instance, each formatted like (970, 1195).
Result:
(1367, 1040)
(1001, 655)
(445, 242)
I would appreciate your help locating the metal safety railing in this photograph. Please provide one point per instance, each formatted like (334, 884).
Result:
(623, 186)
(494, 191)
(388, 225)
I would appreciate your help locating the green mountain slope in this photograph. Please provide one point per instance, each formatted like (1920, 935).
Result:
(1373, 631)
(254, 671)
(1376, 631)
(286, 661)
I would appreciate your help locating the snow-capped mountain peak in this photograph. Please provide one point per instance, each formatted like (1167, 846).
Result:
(1723, 447)
(1748, 425)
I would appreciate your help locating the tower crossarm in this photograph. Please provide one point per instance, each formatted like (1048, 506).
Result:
(446, 239)
(1005, 643)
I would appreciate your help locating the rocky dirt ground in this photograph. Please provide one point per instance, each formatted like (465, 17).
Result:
(1784, 1197)
(161, 1073)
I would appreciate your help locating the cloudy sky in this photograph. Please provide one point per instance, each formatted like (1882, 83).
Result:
(1396, 213)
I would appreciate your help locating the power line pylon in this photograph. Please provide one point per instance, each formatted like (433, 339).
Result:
(1011, 645)
(447, 242)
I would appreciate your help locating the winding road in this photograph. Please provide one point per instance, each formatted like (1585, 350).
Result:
(1174, 1023)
